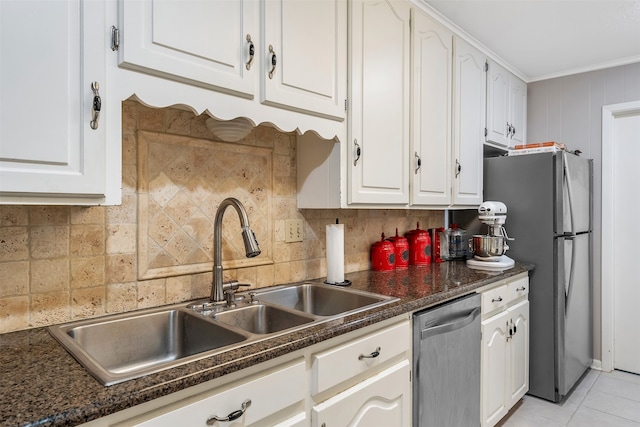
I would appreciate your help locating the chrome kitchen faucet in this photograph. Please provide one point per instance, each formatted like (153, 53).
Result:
(250, 246)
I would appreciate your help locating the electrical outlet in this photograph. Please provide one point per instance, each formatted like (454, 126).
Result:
(294, 230)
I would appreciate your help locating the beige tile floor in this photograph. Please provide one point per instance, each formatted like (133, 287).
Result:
(601, 399)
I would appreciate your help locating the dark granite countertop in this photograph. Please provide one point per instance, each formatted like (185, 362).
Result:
(42, 385)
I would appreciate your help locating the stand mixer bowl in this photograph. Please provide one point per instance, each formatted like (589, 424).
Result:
(486, 246)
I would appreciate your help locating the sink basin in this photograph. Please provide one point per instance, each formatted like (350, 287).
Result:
(128, 346)
(320, 300)
(262, 319)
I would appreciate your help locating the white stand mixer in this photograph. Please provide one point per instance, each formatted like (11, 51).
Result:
(489, 250)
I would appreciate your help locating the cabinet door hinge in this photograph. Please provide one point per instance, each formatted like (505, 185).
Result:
(486, 66)
(486, 132)
(346, 105)
(115, 38)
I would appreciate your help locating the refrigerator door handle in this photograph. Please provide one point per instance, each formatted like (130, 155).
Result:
(567, 294)
(567, 177)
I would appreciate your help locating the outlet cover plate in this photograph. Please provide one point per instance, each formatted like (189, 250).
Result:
(294, 230)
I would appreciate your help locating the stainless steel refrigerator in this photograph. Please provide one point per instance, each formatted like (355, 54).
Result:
(549, 211)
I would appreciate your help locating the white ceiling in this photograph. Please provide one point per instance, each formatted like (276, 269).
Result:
(542, 39)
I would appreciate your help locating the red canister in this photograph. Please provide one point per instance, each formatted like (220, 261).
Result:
(419, 246)
(383, 255)
(401, 247)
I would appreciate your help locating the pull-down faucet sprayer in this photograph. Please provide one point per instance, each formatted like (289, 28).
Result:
(250, 245)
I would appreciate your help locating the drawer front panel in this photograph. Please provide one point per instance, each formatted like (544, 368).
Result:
(494, 299)
(518, 288)
(260, 391)
(331, 367)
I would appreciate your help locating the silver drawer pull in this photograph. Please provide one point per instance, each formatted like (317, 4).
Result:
(499, 299)
(232, 416)
(522, 289)
(370, 356)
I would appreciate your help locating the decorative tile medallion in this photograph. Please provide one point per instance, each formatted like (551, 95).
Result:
(181, 182)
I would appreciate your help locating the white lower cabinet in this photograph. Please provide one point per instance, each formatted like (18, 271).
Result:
(505, 348)
(359, 378)
(494, 372)
(518, 376)
(353, 391)
(382, 400)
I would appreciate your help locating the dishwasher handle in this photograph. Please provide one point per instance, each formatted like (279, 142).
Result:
(457, 323)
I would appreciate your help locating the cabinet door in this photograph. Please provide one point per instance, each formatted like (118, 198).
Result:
(203, 43)
(51, 53)
(518, 375)
(309, 42)
(494, 368)
(518, 111)
(432, 46)
(497, 104)
(378, 144)
(469, 91)
(382, 400)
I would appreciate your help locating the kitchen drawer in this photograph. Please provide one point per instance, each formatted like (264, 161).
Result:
(518, 288)
(495, 299)
(221, 402)
(333, 366)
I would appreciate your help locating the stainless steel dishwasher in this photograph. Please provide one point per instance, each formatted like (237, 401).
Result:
(446, 364)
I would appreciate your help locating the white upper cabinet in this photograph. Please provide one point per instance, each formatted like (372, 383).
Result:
(433, 160)
(448, 76)
(506, 107)
(306, 48)
(518, 111)
(469, 102)
(212, 44)
(276, 61)
(378, 142)
(498, 105)
(432, 51)
(50, 153)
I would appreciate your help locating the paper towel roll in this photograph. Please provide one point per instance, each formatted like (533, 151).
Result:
(335, 253)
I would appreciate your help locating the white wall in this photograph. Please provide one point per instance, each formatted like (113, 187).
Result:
(569, 110)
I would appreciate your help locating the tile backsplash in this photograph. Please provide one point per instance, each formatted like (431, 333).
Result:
(62, 263)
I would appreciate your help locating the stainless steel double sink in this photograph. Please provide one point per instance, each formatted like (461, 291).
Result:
(121, 347)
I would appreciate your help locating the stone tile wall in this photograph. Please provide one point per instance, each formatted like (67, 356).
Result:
(61, 263)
